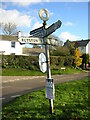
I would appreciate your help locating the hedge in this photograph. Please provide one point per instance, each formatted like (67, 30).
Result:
(59, 61)
(31, 62)
(14, 61)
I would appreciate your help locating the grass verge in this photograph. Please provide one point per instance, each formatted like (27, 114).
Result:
(71, 103)
(26, 72)
(20, 72)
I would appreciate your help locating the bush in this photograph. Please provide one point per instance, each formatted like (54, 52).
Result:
(78, 59)
(14, 61)
(85, 60)
(60, 51)
(68, 61)
(31, 62)
(54, 60)
(59, 61)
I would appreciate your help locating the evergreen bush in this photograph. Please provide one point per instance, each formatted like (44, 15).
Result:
(31, 62)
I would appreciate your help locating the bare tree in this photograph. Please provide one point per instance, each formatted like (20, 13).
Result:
(9, 28)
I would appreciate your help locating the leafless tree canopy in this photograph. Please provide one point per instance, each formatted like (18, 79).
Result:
(9, 28)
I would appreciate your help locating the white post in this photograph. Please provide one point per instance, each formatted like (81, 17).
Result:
(48, 68)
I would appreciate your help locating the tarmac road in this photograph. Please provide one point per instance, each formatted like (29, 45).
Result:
(15, 86)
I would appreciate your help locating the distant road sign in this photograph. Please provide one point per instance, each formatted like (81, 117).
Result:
(30, 40)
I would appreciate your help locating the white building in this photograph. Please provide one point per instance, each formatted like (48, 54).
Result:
(83, 46)
(10, 45)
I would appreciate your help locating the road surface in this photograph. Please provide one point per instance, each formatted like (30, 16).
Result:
(15, 86)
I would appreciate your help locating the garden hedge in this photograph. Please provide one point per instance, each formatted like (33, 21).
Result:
(15, 61)
(31, 62)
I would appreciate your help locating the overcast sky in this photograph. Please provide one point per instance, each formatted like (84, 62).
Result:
(74, 16)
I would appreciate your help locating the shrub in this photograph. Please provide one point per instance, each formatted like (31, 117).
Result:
(15, 61)
(85, 60)
(31, 62)
(59, 61)
(78, 59)
(68, 61)
(60, 51)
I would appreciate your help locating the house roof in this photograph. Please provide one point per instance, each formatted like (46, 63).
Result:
(9, 38)
(81, 42)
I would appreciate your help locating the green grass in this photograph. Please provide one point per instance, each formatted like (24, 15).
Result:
(67, 71)
(20, 72)
(71, 103)
(26, 72)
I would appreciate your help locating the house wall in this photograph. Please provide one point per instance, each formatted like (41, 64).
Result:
(82, 49)
(5, 47)
(88, 48)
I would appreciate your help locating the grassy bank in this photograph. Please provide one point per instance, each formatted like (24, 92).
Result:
(20, 72)
(71, 103)
(26, 72)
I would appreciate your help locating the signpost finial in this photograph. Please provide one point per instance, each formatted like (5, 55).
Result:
(44, 15)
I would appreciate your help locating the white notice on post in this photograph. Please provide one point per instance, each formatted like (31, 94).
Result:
(50, 91)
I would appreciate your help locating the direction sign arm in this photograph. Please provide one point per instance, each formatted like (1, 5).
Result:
(36, 30)
(53, 28)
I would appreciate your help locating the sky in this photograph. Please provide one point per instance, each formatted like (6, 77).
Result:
(72, 14)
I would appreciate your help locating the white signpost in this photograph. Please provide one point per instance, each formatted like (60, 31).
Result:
(30, 40)
(36, 40)
(39, 36)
